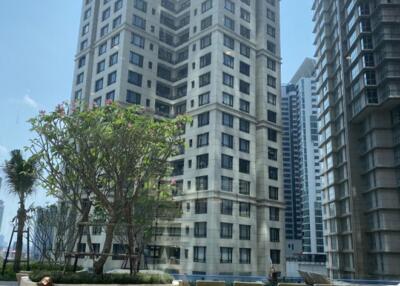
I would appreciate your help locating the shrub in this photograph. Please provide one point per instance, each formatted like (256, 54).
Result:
(90, 278)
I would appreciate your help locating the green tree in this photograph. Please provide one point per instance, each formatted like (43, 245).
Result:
(21, 176)
(111, 156)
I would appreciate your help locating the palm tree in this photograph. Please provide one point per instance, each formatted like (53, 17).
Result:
(21, 175)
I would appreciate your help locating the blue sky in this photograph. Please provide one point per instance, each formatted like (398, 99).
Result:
(39, 39)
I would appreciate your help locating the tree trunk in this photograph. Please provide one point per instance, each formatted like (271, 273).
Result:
(99, 264)
(21, 217)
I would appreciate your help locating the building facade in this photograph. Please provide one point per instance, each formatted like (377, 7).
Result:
(219, 62)
(357, 51)
(301, 168)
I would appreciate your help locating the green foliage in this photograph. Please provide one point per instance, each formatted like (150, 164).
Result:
(90, 278)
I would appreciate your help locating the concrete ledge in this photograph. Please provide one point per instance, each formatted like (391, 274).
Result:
(209, 283)
(241, 283)
(25, 281)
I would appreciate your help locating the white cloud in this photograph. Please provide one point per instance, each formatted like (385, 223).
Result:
(28, 100)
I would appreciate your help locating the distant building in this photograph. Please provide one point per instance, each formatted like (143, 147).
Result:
(304, 237)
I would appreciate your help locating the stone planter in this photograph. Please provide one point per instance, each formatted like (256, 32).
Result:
(25, 281)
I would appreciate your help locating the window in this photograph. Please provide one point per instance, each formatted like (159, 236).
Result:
(135, 78)
(226, 207)
(271, 98)
(113, 59)
(229, 23)
(202, 161)
(200, 206)
(227, 140)
(244, 50)
(244, 255)
(106, 14)
(98, 84)
(205, 60)
(139, 22)
(245, 15)
(137, 40)
(112, 78)
(244, 125)
(271, 81)
(273, 173)
(245, 32)
(101, 66)
(229, 61)
(227, 99)
(84, 44)
(244, 166)
(141, 5)
(244, 232)
(115, 41)
(229, 42)
(272, 135)
(244, 187)
(273, 214)
(102, 48)
(244, 209)
(244, 145)
(275, 256)
(79, 78)
(200, 229)
(104, 30)
(204, 98)
(230, 6)
(202, 183)
(226, 184)
(206, 5)
(271, 47)
(271, 31)
(226, 254)
(116, 22)
(244, 105)
(273, 193)
(274, 234)
(204, 79)
(202, 140)
(199, 254)
(206, 22)
(271, 64)
(136, 59)
(205, 41)
(227, 119)
(203, 119)
(227, 79)
(81, 61)
(226, 230)
(271, 116)
(97, 101)
(244, 68)
(226, 162)
(244, 87)
(110, 96)
(133, 97)
(117, 5)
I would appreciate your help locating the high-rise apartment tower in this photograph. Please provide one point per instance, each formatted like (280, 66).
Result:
(301, 168)
(357, 50)
(219, 62)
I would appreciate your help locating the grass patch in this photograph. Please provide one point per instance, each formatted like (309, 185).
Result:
(90, 278)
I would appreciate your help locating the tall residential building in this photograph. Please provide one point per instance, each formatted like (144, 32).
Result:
(357, 50)
(301, 169)
(218, 61)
